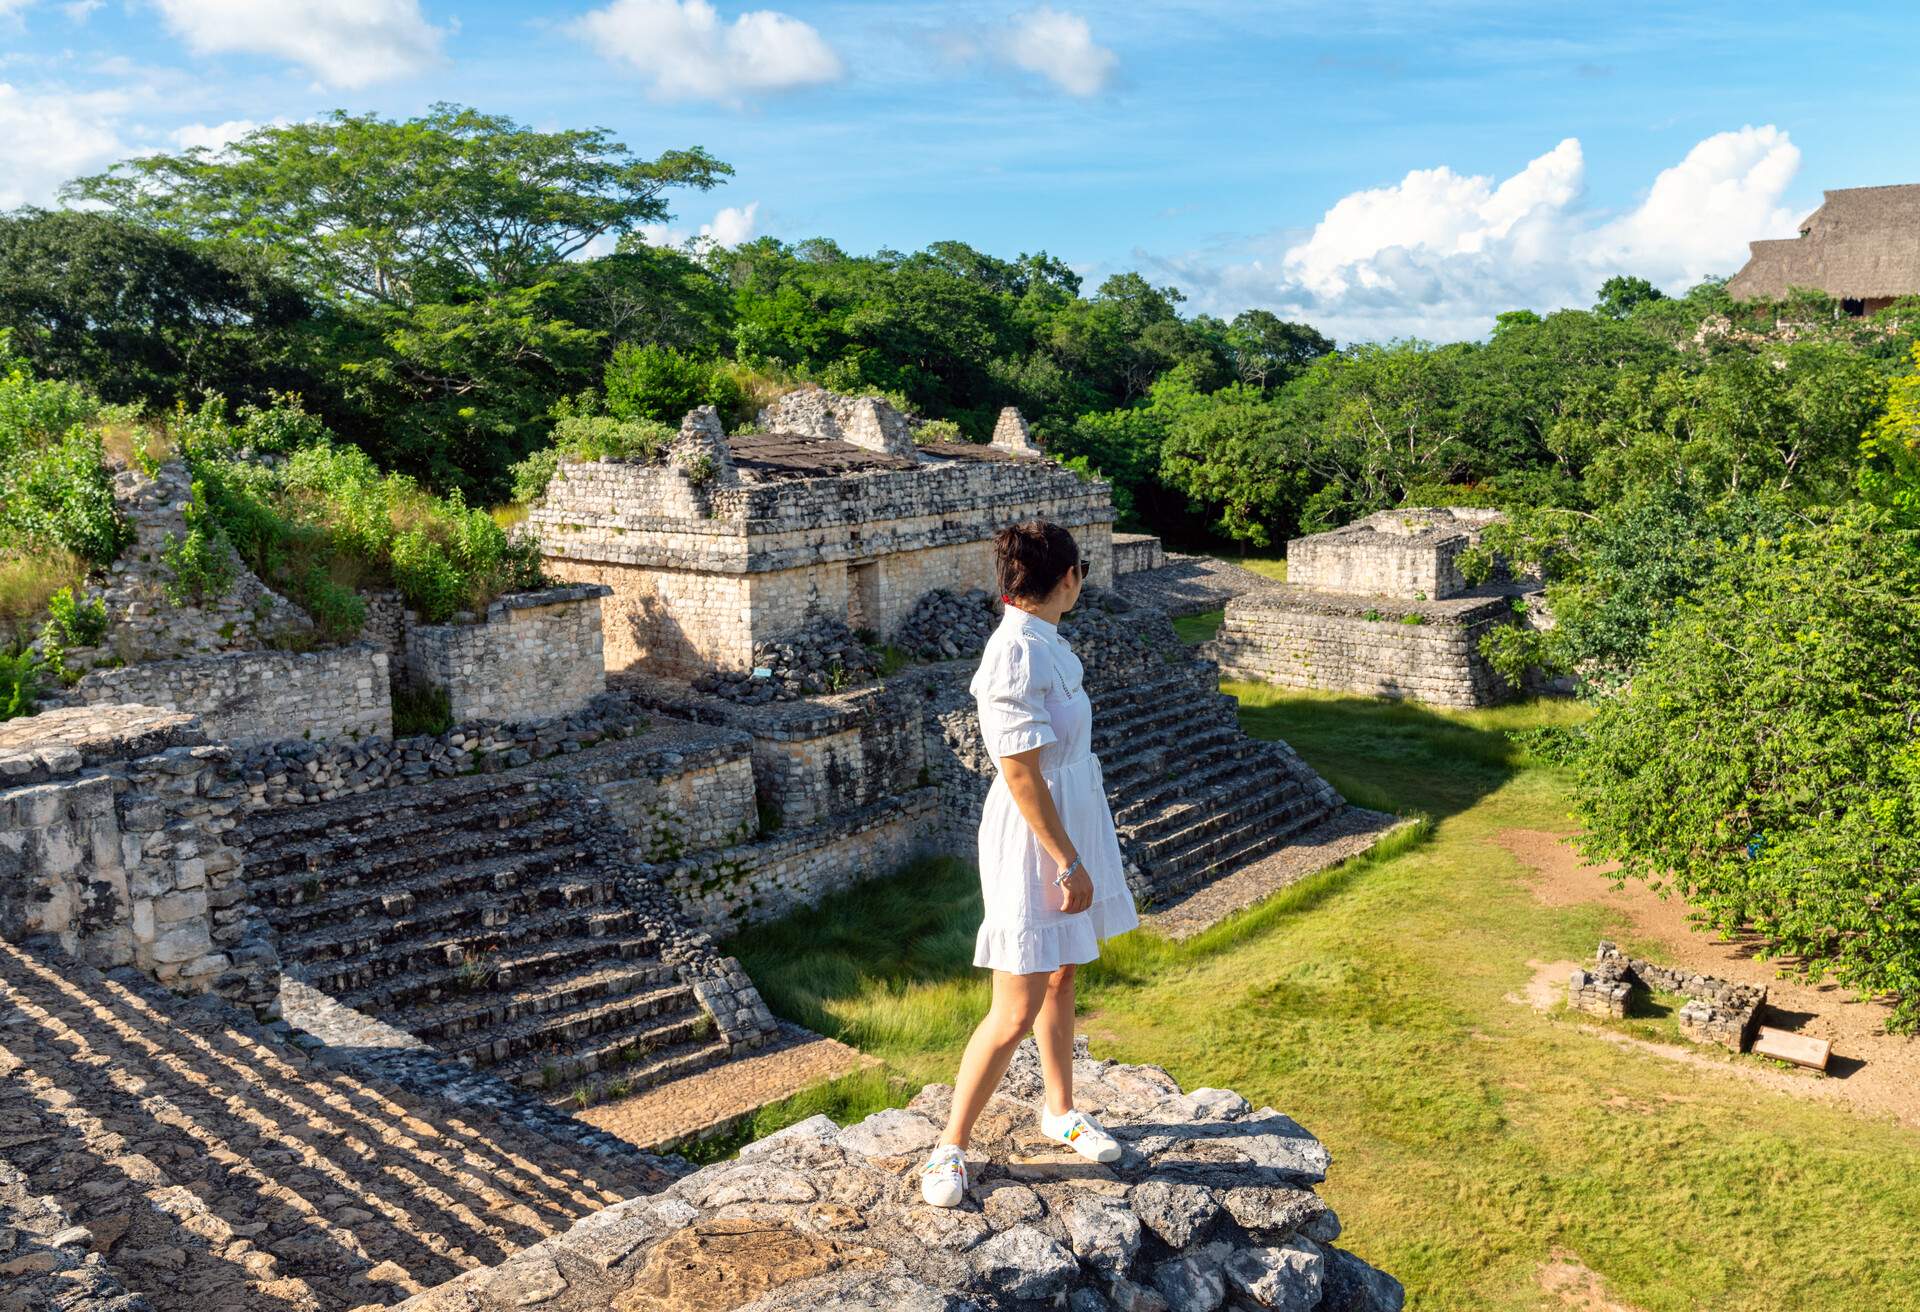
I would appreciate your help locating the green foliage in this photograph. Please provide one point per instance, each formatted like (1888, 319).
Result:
(77, 621)
(55, 491)
(421, 710)
(20, 673)
(1890, 468)
(939, 430)
(326, 521)
(661, 384)
(200, 565)
(1765, 761)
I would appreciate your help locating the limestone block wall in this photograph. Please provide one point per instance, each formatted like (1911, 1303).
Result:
(1299, 639)
(1410, 553)
(1717, 1011)
(1136, 551)
(824, 760)
(677, 790)
(669, 621)
(536, 654)
(113, 824)
(725, 890)
(250, 697)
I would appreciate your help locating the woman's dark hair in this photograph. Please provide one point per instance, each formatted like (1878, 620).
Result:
(1032, 558)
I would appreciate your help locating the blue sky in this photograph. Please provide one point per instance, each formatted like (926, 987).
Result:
(1377, 168)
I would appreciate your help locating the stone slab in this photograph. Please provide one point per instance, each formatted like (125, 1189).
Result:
(1800, 1049)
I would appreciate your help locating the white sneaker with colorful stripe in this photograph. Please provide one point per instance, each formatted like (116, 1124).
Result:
(1081, 1133)
(943, 1180)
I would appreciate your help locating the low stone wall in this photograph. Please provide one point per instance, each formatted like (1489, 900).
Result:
(1133, 552)
(296, 772)
(249, 697)
(1211, 1205)
(1411, 553)
(113, 824)
(1425, 651)
(1716, 1011)
(726, 890)
(536, 654)
(816, 758)
(677, 789)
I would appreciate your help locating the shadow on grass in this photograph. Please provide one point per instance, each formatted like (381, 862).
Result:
(1398, 756)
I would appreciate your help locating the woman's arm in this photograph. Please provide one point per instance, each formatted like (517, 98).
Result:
(1030, 793)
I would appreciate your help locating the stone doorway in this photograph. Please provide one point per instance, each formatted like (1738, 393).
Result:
(863, 595)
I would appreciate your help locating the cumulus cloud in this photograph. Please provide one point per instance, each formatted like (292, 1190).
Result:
(1059, 46)
(1439, 254)
(216, 137)
(732, 225)
(685, 52)
(47, 138)
(343, 43)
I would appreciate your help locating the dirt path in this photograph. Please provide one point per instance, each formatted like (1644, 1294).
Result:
(1872, 1071)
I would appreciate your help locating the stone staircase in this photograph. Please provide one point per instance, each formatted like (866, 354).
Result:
(1193, 796)
(216, 1164)
(485, 916)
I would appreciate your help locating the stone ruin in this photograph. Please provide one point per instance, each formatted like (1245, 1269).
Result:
(1211, 1206)
(486, 925)
(1716, 1010)
(1379, 607)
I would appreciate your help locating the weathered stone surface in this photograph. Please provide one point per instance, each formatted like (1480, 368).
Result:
(819, 1217)
(1351, 1285)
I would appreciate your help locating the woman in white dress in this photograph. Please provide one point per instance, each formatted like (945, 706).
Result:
(1050, 871)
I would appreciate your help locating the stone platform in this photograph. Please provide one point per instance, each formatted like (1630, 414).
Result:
(1212, 1204)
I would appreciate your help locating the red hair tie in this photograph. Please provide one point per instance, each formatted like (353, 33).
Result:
(1005, 600)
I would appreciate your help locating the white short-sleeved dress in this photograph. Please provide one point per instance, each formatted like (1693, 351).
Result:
(1029, 694)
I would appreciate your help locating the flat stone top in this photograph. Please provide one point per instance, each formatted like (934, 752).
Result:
(1125, 539)
(980, 451)
(1465, 608)
(772, 457)
(35, 748)
(1415, 525)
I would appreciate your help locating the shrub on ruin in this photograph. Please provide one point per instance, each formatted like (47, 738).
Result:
(19, 683)
(661, 384)
(1764, 762)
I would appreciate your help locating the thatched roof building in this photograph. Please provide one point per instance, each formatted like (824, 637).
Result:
(1862, 246)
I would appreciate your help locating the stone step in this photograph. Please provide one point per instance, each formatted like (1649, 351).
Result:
(293, 826)
(1196, 825)
(1176, 870)
(477, 912)
(1144, 788)
(1226, 787)
(1161, 710)
(383, 856)
(644, 1055)
(670, 1012)
(340, 973)
(446, 1021)
(457, 880)
(513, 967)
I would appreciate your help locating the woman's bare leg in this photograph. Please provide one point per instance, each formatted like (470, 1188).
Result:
(1053, 1031)
(1017, 999)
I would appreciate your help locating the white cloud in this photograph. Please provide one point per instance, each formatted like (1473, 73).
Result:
(216, 137)
(79, 11)
(1439, 254)
(1059, 46)
(686, 53)
(12, 9)
(732, 225)
(343, 43)
(47, 138)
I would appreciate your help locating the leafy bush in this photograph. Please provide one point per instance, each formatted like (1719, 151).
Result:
(1765, 761)
(201, 563)
(327, 521)
(659, 383)
(939, 430)
(78, 621)
(19, 683)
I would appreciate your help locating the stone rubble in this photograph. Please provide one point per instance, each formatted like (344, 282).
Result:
(1716, 1011)
(820, 656)
(1211, 1207)
(946, 625)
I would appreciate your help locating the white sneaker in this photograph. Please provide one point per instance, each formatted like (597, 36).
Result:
(1081, 1133)
(943, 1180)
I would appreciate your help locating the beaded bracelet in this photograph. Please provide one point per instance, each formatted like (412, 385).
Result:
(1067, 874)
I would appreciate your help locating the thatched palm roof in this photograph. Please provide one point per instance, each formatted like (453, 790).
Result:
(1862, 243)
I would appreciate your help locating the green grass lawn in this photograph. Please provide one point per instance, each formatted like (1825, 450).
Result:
(1473, 1138)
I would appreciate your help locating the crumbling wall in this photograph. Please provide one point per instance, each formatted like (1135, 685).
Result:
(1133, 552)
(1410, 553)
(535, 654)
(250, 697)
(113, 824)
(1716, 1011)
